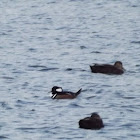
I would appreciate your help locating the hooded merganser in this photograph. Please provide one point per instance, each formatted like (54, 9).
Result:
(58, 93)
(117, 68)
(93, 122)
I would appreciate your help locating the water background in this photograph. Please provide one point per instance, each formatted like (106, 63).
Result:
(52, 42)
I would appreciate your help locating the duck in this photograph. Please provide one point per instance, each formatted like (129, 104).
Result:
(117, 68)
(93, 122)
(58, 93)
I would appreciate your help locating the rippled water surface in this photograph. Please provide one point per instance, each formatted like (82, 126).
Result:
(52, 42)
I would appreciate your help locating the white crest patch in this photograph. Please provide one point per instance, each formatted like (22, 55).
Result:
(59, 89)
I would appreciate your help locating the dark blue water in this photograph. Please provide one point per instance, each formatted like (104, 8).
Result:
(52, 42)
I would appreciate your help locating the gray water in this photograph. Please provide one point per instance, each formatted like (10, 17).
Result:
(52, 42)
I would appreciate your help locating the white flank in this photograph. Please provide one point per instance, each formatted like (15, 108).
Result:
(54, 96)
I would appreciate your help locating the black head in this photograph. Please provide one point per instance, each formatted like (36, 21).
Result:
(56, 89)
(118, 62)
(95, 115)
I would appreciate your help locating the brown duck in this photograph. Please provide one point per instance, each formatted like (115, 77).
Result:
(93, 122)
(117, 68)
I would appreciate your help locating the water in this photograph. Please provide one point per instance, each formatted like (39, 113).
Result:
(50, 42)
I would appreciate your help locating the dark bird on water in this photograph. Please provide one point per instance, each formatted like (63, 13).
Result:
(94, 122)
(117, 68)
(58, 93)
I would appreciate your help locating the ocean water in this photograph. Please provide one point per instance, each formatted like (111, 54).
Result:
(44, 43)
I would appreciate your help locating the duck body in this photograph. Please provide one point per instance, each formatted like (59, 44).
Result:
(117, 68)
(94, 122)
(58, 93)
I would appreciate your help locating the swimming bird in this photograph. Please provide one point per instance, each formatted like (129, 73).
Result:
(117, 68)
(93, 122)
(58, 93)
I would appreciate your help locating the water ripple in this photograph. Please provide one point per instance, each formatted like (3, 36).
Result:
(53, 42)
(5, 105)
(135, 42)
(41, 68)
(8, 78)
(74, 69)
(3, 137)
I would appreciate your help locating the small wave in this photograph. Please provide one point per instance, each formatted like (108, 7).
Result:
(135, 42)
(1, 34)
(32, 49)
(95, 52)
(5, 105)
(128, 97)
(74, 105)
(100, 91)
(48, 69)
(74, 69)
(69, 69)
(27, 128)
(3, 137)
(83, 47)
(90, 97)
(41, 68)
(127, 125)
(8, 78)
(134, 6)
(53, 2)
(37, 66)
(19, 72)
(61, 28)
(24, 102)
(131, 72)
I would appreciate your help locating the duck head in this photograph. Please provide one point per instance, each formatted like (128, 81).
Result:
(56, 89)
(119, 65)
(95, 115)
